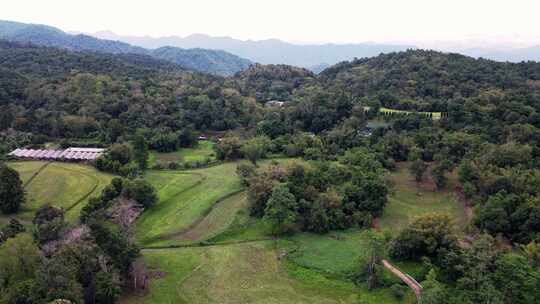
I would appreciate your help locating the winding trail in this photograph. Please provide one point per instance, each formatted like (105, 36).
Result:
(407, 279)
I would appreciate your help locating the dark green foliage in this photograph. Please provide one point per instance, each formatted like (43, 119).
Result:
(56, 278)
(427, 235)
(164, 142)
(328, 195)
(113, 242)
(281, 209)
(48, 224)
(245, 172)
(107, 288)
(10, 230)
(229, 148)
(11, 190)
(141, 191)
(418, 169)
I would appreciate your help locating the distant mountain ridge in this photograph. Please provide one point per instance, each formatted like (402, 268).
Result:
(271, 51)
(208, 61)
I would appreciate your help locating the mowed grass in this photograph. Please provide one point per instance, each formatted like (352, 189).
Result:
(64, 185)
(337, 252)
(27, 169)
(187, 203)
(244, 273)
(410, 200)
(218, 220)
(203, 151)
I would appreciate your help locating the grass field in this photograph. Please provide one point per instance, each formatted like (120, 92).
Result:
(410, 200)
(63, 185)
(184, 199)
(203, 151)
(244, 273)
(233, 258)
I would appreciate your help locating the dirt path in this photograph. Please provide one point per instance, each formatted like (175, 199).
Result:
(407, 279)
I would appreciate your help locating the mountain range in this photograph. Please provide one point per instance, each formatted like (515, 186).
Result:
(208, 61)
(272, 51)
(318, 57)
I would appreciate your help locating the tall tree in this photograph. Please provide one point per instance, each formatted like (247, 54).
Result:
(281, 209)
(140, 150)
(11, 190)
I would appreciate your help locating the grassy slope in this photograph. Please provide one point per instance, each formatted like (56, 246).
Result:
(409, 200)
(60, 184)
(177, 213)
(256, 272)
(243, 273)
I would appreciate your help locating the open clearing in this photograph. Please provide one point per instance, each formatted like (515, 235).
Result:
(63, 185)
(186, 197)
(203, 151)
(410, 200)
(243, 273)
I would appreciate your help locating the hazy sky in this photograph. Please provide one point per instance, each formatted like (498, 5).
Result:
(291, 20)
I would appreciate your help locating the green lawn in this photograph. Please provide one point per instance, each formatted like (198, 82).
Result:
(410, 200)
(63, 185)
(244, 273)
(203, 151)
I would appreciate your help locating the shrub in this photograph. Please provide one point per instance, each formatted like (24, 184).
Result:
(398, 291)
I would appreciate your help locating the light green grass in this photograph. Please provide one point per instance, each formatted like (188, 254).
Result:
(203, 151)
(336, 252)
(218, 220)
(410, 200)
(244, 273)
(63, 185)
(27, 169)
(176, 213)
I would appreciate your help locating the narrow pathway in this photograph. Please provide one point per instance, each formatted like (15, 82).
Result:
(36, 174)
(407, 279)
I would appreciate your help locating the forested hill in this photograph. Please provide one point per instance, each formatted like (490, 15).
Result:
(63, 94)
(208, 61)
(272, 82)
(427, 80)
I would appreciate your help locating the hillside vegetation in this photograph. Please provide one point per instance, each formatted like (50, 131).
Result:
(208, 61)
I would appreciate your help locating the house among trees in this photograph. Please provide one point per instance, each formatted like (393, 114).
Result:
(274, 104)
(75, 154)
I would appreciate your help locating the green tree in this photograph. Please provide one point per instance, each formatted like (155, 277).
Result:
(375, 248)
(140, 150)
(281, 209)
(418, 169)
(439, 176)
(141, 191)
(11, 190)
(19, 258)
(253, 151)
(426, 235)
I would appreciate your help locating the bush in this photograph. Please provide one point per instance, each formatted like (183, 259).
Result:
(11, 190)
(141, 191)
(398, 291)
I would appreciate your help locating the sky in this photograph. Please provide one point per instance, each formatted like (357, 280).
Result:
(301, 21)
